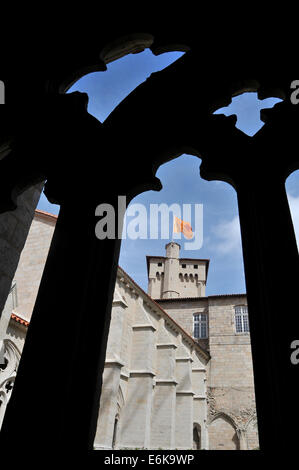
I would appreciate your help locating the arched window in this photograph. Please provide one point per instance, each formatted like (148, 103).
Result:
(222, 434)
(115, 429)
(241, 319)
(196, 437)
(200, 325)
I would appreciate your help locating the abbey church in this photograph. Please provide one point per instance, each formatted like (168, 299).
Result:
(178, 372)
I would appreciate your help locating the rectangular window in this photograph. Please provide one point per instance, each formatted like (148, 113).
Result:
(195, 266)
(241, 319)
(200, 325)
(183, 265)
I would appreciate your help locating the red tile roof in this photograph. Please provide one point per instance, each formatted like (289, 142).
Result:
(46, 214)
(18, 319)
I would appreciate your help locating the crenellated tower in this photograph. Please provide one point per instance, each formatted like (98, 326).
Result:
(171, 276)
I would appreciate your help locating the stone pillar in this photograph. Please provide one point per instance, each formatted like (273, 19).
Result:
(108, 405)
(14, 228)
(200, 401)
(184, 399)
(241, 433)
(137, 411)
(164, 401)
(111, 376)
(266, 224)
(151, 280)
(64, 352)
(270, 256)
(201, 287)
(171, 271)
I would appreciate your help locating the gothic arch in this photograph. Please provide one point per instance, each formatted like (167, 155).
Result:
(251, 433)
(117, 418)
(80, 428)
(196, 436)
(7, 374)
(222, 414)
(12, 356)
(223, 433)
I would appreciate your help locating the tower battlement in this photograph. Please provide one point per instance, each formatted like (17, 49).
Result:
(171, 276)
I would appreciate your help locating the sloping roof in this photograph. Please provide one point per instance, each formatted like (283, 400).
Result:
(46, 215)
(200, 298)
(19, 319)
(166, 315)
(202, 351)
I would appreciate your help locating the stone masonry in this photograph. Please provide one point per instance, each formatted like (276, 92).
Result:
(178, 372)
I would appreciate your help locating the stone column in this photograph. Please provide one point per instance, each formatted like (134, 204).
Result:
(60, 372)
(137, 411)
(257, 167)
(184, 399)
(108, 405)
(200, 401)
(171, 271)
(241, 433)
(111, 376)
(151, 280)
(14, 228)
(164, 401)
(266, 224)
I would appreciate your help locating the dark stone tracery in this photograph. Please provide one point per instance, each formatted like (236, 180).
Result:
(175, 108)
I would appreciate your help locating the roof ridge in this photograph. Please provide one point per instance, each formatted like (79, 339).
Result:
(47, 214)
(205, 297)
(19, 319)
(166, 314)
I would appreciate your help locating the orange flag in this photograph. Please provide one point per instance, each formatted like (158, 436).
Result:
(184, 227)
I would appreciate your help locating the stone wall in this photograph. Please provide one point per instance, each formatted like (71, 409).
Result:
(158, 372)
(32, 262)
(14, 228)
(231, 392)
(171, 276)
(230, 383)
(182, 311)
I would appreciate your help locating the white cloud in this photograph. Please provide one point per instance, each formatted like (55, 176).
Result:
(294, 208)
(228, 237)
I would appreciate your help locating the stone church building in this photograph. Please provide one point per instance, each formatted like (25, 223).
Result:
(178, 371)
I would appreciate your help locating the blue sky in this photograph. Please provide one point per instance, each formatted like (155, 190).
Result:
(181, 181)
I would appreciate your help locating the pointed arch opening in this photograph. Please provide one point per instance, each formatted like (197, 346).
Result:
(196, 436)
(223, 433)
